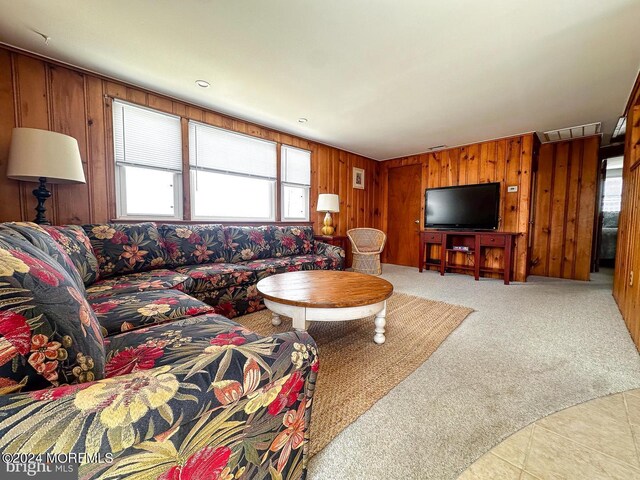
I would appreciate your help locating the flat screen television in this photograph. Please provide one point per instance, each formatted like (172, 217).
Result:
(465, 207)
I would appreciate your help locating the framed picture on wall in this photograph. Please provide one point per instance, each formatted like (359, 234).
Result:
(358, 178)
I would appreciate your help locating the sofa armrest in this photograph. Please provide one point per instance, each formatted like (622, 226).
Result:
(333, 252)
(224, 392)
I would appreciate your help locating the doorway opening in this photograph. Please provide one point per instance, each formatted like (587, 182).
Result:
(611, 200)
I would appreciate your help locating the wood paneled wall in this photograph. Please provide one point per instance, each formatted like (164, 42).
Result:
(565, 205)
(626, 284)
(508, 161)
(41, 94)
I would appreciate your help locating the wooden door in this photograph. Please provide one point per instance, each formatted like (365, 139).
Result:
(404, 207)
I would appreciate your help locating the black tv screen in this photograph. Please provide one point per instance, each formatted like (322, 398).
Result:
(474, 207)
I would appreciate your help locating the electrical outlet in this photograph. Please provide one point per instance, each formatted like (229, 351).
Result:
(512, 188)
(631, 278)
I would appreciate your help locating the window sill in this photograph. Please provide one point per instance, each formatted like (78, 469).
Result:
(209, 222)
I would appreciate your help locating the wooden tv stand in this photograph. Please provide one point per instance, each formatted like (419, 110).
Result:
(473, 242)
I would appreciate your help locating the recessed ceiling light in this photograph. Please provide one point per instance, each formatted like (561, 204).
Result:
(202, 83)
(302, 120)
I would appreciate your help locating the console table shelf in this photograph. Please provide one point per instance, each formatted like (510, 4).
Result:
(474, 243)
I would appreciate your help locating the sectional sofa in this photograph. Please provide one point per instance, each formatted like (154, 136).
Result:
(113, 348)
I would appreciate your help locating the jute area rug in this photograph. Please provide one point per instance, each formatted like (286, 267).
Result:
(355, 372)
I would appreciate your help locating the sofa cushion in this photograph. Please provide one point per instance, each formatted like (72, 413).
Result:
(610, 219)
(248, 243)
(123, 248)
(268, 241)
(129, 311)
(160, 279)
(292, 240)
(40, 238)
(272, 266)
(192, 244)
(174, 343)
(233, 301)
(77, 245)
(216, 275)
(48, 333)
(6, 231)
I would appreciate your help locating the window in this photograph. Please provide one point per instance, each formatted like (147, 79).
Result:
(233, 176)
(612, 193)
(148, 157)
(296, 180)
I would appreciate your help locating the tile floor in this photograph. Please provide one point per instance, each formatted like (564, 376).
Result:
(599, 439)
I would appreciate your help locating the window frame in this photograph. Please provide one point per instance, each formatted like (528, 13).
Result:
(195, 168)
(120, 176)
(184, 188)
(283, 184)
(121, 195)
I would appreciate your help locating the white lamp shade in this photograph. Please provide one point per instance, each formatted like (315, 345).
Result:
(328, 202)
(38, 153)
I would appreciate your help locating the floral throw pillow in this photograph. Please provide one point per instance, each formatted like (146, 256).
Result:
(48, 333)
(192, 244)
(123, 248)
(74, 241)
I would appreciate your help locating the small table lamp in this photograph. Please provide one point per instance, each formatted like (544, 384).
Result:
(328, 202)
(44, 156)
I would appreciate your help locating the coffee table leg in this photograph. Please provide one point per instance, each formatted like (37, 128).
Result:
(275, 319)
(299, 320)
(381, 321)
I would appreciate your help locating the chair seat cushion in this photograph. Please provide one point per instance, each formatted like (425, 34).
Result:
(173, 343)
(128, 311)
(213, 276)
(368, 249)
(160, 279)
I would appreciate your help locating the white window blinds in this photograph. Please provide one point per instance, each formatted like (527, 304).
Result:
(144, 137)
(223, 151)
(296, 165)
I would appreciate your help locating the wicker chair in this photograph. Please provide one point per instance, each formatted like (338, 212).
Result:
(367, 244)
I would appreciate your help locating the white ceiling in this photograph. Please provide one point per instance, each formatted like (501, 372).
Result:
(383, 78)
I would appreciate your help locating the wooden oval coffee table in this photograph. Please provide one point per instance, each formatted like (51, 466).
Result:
(326, 296)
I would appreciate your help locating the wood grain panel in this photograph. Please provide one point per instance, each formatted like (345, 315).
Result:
(565, 202)
(9, 188)
(32, 111)
(68, 115)
(38, 93)
(97, 148)
(626, 283)
(508, 161)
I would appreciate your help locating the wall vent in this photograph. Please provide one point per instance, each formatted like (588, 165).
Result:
(570, 133)
(621, 127)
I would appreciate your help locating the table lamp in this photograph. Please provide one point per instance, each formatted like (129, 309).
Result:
(43, 156)
(328, 202)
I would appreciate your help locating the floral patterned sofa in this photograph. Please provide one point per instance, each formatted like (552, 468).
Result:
(107, 350)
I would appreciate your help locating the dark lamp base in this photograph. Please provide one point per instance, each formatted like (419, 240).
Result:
(41, 193)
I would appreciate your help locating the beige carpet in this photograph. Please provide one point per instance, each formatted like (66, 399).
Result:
(355, 372)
